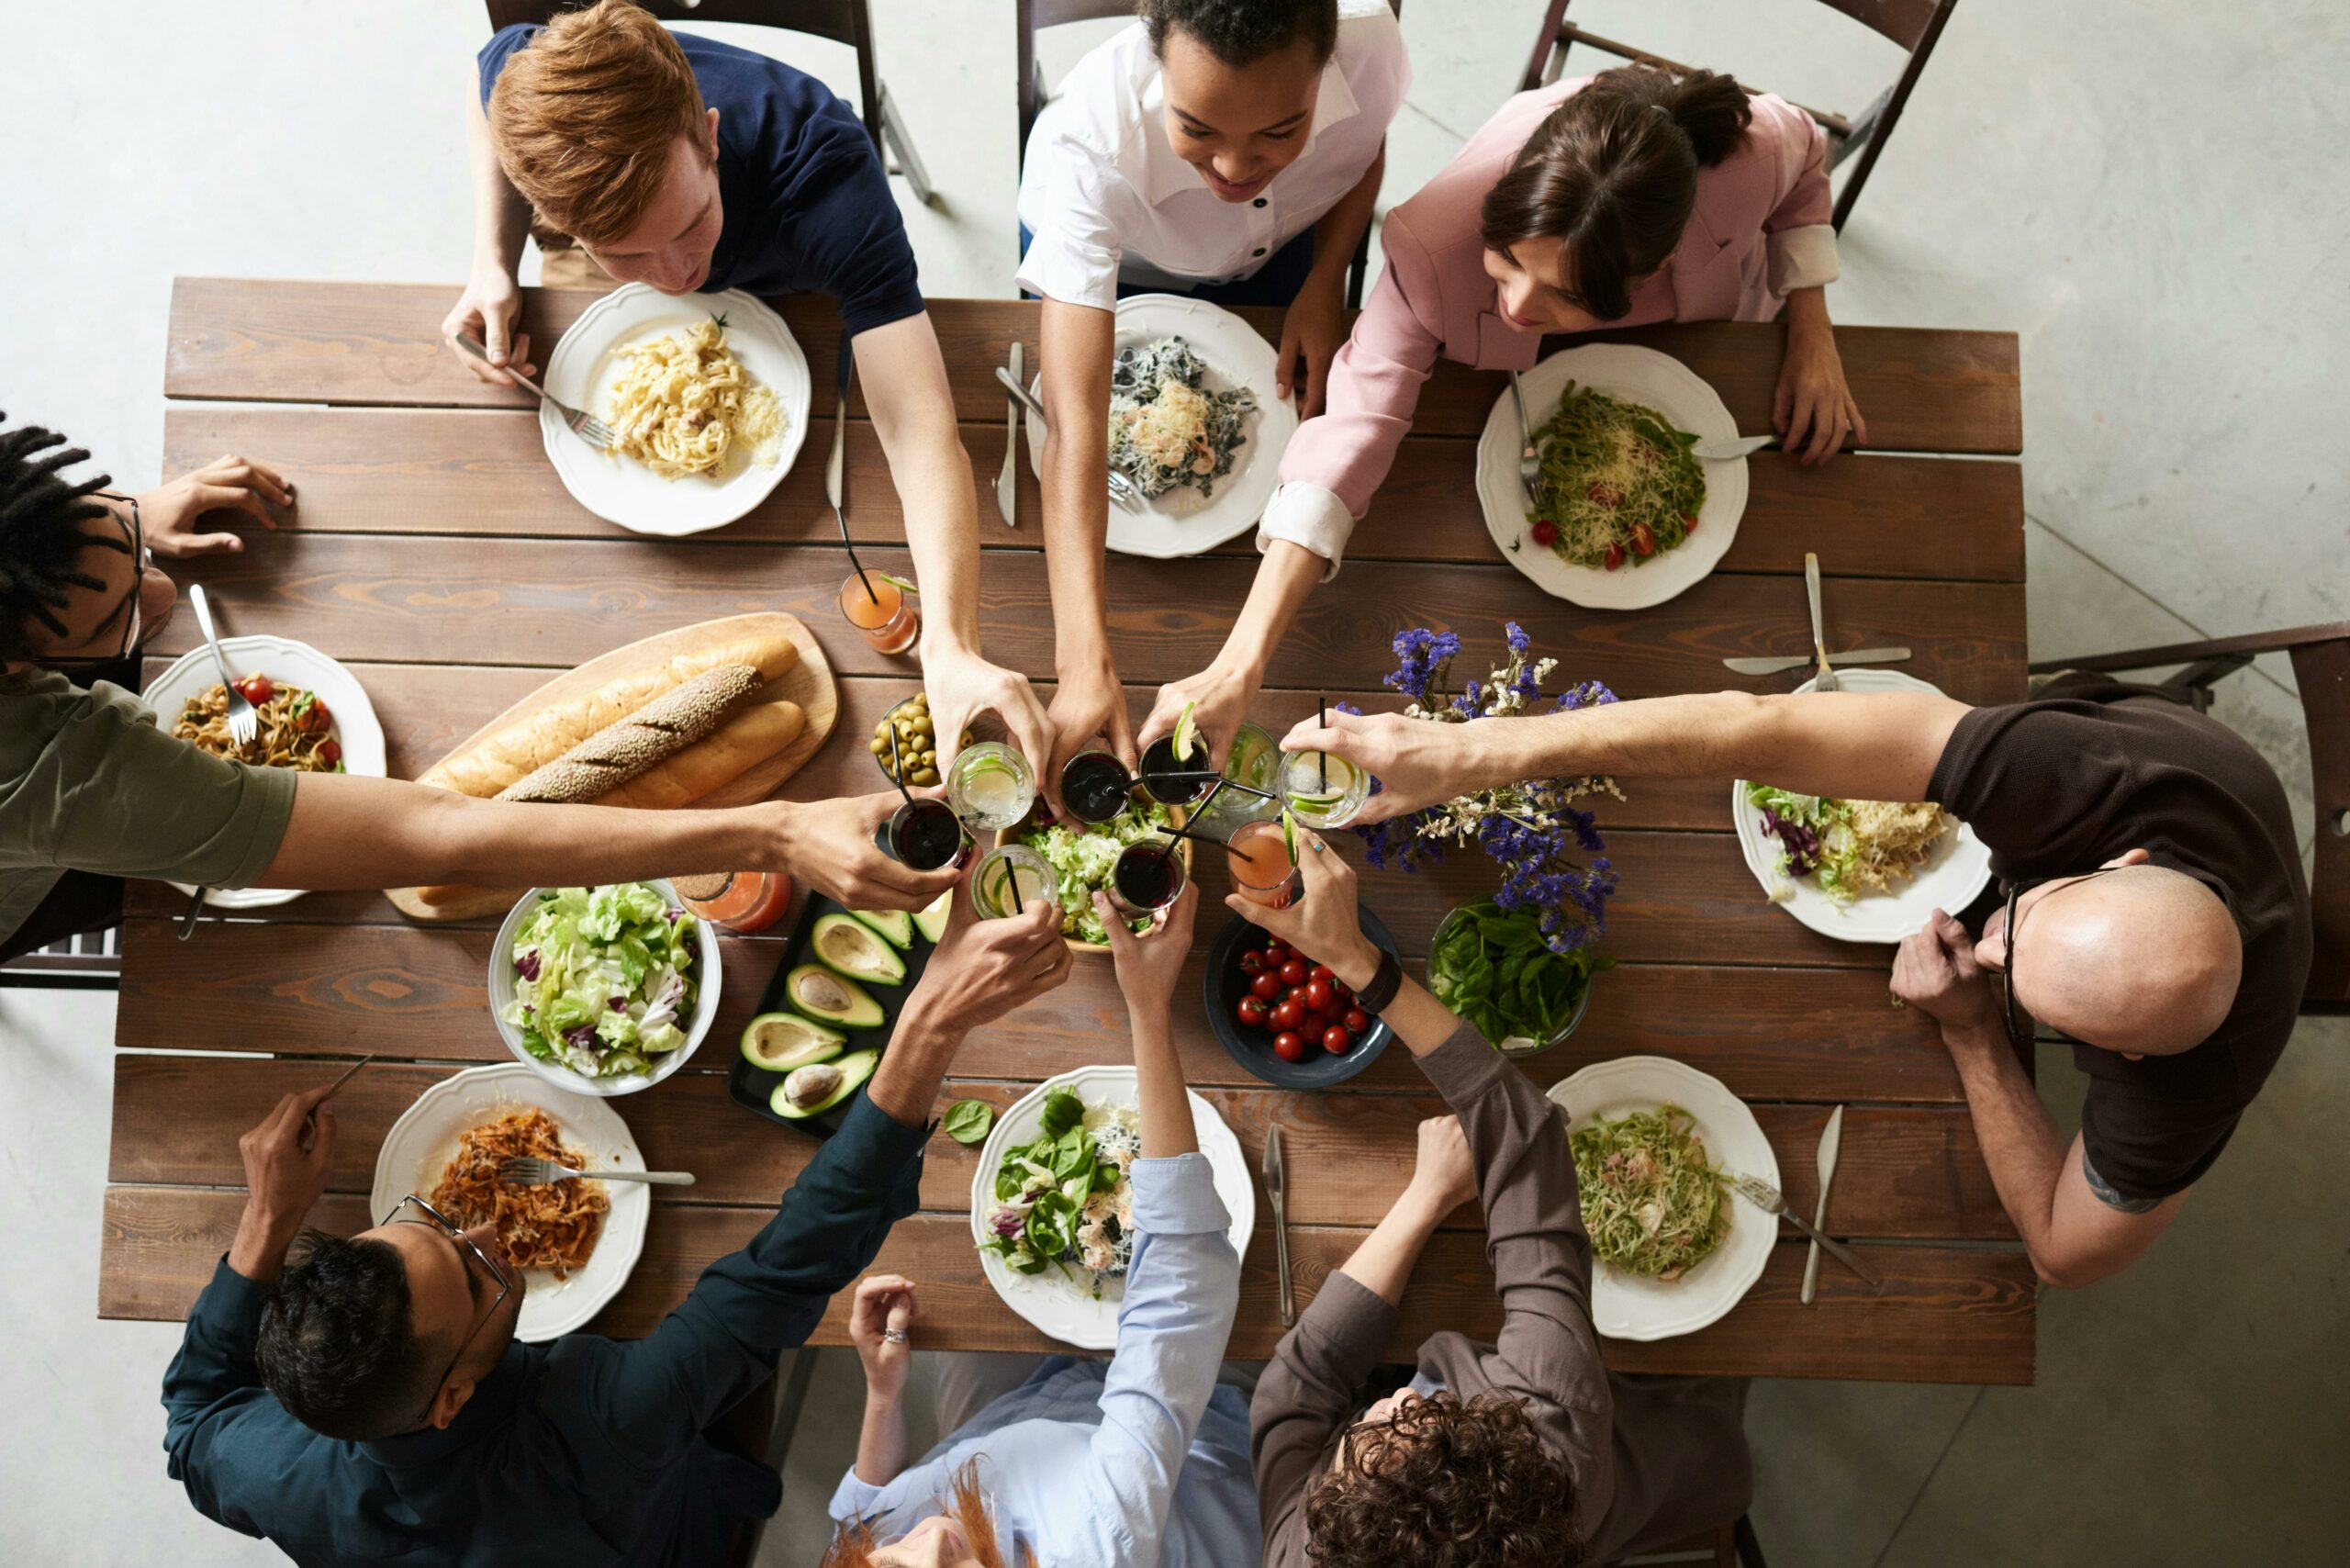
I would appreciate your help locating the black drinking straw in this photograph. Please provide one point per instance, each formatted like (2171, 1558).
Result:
(840, 433)
(1322, 714)
(898, 767)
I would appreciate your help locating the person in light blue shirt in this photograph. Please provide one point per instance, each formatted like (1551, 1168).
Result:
(1138, 1461)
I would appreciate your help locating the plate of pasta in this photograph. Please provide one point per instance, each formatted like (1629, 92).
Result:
(315, 718)
(1629, 517)
(707, 395)
(575, 1242)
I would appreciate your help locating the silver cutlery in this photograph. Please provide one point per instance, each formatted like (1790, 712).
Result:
(244, 722)
(1122, 489)
(1827, 681)
(187, 927)
(1005, 492)
(1767, 1197)
(1529, 464)
(1830, 1142)
(832, 464)
(1276, 1185)
(1782, 663)
(1725, 448)
(524, 1170)
(583, 425)
(310, 1124)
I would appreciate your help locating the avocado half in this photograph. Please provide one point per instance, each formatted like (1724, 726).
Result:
(849, 948)
(895, 926)
(779, 1042)
(815, 1088)
(830, 998)
(932, 921)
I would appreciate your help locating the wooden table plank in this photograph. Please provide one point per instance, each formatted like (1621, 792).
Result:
(372, 343)
(510, 602)
(1908, 1172)
(447, 471)
(1946, 1315)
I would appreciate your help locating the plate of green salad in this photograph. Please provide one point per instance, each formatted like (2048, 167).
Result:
(1052, 1199)
(603, 990)
(1082, 855)
(1675, 1249)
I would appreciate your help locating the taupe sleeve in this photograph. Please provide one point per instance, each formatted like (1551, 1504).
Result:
(1308, 1388)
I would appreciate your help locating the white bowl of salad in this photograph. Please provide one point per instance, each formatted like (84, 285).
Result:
(604, 991)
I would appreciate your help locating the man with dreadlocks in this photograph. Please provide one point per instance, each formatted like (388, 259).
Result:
(92, 790)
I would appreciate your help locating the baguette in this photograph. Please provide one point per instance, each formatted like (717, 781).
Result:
(749, 738)
(636, 744)
(503, 757)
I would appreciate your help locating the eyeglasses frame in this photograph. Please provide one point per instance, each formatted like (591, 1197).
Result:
(455, 1233)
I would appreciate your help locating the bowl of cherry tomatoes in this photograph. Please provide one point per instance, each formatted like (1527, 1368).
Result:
(1284, 1015)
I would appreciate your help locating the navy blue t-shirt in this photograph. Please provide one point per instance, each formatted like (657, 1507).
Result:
(807, 203)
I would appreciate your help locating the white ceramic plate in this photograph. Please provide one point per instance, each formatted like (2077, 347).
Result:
(1057, 1304)
(586, 363)
(705, 976)
(288, 662)
(421, 1142)
(1625, 1306)
(1642, 376)
(1179, 522)
(1957, 870)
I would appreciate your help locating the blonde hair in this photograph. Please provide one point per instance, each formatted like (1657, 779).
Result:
(583, 119)
(853, 1544)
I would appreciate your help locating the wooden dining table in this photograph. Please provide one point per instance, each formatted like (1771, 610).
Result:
(434, 551)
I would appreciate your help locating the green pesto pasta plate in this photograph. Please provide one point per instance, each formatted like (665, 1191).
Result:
(1614, 423)
(1629, 1305)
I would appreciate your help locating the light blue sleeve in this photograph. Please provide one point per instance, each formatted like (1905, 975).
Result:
(1182, 1289)
(856, 1498)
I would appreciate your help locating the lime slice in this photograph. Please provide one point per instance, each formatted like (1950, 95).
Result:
(892, 577)
(1187, 732)
(1289, 834)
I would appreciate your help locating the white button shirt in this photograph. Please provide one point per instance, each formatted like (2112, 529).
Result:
(1105, 196)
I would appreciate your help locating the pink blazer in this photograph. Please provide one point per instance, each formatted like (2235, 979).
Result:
(1434, 299)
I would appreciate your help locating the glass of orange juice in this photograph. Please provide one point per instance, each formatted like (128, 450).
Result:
(882, 608)
(1262, 871)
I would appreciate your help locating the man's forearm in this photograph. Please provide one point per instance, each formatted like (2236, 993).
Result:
(2021, 1142)
(258, 1249)
(905, 1086)
(1383, 1263)
(881, 1440)
(501, 218)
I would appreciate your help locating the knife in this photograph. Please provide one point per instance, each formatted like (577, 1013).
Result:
(1275, 1180)
(1121, 490)
(840, 433)
(1818, 624)
(1829, 1143)
(1781, 664)
(1005, 492)
(1723, 448)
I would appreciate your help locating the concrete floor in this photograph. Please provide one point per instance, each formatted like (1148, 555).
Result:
(2140, 190)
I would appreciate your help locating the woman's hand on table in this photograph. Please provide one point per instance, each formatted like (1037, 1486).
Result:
(489, 309)
(1321, 922)
(880, 1318)
(1219, 697)
(168, 513)
(962, 685)
(1813, 410)
(1149, 964)
(828, 844)
(1089, 710)
(1313, 330)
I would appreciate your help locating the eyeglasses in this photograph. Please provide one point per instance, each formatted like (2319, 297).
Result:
(135, 534)
(436, 1220)
(2019, 1030)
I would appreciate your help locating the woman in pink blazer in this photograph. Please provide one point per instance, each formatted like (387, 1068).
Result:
(1624, 198)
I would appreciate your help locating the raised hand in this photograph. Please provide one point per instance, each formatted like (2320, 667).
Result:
(1089, 710)
(1149, 964)
(168, 513)
(981, 969)
(1417, 763)
(1219, 695)
(1322, 922)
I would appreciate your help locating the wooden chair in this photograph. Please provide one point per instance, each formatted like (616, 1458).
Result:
(1032, 16)
(1915, 24)
(89, 962)
(2321, 657)
(841, 21)
(1730, 1546)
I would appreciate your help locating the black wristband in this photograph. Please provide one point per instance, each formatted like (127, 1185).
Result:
(1384, 983)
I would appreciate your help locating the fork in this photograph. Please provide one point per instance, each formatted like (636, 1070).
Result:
(1767, 1198)
(244, 724)
(1529, 465)
(1826, 680)
(583, 425)
(527, 1170)
(1122, 489)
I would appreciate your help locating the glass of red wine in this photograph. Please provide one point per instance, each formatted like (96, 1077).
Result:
(1095, 785)
(1170, 780)
(1149, 875)
(924, 834)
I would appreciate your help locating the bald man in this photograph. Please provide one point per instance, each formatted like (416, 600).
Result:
(2153, 912)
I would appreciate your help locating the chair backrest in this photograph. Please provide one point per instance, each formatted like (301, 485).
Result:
(1032, 16)
(1903, 21)
(841, 21)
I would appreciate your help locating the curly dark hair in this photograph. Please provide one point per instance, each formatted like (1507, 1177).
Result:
(1447, 1484)
(336, 1345)
(1242, 32)
(42, 536)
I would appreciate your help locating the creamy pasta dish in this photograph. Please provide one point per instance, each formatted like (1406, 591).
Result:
(683, 403)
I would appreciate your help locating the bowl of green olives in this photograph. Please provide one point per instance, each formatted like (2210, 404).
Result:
(917, 742)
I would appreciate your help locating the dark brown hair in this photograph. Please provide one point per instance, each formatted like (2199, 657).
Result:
(1445, 1486)
(1613, 173)
(42, 536)
(1242, 32)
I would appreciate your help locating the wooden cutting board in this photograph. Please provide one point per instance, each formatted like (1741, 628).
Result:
(809, 683)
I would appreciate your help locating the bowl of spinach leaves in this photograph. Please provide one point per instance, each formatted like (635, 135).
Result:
(1493, 968)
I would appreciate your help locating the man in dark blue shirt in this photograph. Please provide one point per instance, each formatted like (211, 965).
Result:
(694, 166)
(427, 1436)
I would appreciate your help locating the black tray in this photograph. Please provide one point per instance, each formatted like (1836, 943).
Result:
(751, 1087)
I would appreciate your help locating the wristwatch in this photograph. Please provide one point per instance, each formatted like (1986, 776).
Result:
(1386, 983)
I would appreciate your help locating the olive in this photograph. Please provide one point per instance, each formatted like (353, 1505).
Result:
(878, 747)
(926, 776)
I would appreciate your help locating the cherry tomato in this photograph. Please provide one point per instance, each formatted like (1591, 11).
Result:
(1689, 522)
(1357, 1020)
(1289, 1045)
(1334, 1039)
(1252, 962)
(1545, 532)
(1321, 972)
(1266, 987)
(1275, 951)
(1643, 539)
(1339, 988)
(1293, 972)
(256, 688)
(313, 718)
(1287, 1016)
(1606, 496)
(1318, 995)
(1253, 1012)
(331, 752)
(1614, 557)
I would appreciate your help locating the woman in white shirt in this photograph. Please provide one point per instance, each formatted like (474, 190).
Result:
(1229, 152)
